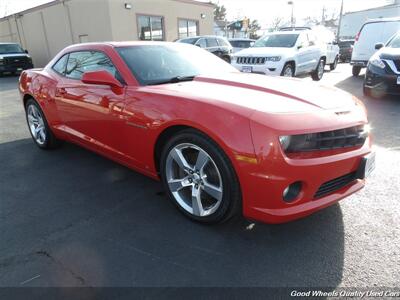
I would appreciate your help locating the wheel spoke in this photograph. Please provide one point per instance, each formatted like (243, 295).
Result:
(177, 155)
(196, 202)
(213, 191)
(32, 119)
(176, 185)
(42, 134)
(202, 160)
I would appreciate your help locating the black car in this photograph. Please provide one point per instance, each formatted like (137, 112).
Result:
(345, 50)
(383, 69)
(214, 44)
(13, 59)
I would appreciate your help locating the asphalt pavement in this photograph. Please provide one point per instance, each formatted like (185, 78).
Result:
(70, 217)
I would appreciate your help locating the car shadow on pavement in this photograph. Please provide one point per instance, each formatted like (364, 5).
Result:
(9, 82)
(75, 218)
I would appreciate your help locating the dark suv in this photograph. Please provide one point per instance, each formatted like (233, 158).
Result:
(214, 44)
(13, 59)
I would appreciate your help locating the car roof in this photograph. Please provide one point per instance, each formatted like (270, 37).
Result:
(241, 39)
(202, 36)
(8, 43)
(381, 20)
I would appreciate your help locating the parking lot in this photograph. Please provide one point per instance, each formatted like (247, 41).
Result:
(72, 218)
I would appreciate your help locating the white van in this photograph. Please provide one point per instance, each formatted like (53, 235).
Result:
(371, 33)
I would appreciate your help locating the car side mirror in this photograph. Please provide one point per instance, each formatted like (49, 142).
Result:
(299, 47)
(26, 51)
(101, 77)
(334, 43)
(379, 46)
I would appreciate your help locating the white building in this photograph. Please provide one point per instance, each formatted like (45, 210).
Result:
(352, 21)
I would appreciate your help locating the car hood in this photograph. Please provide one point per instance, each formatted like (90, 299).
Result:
(252, 92)
(265, 51)
(389, 53)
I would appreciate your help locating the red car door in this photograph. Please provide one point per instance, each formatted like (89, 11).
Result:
(91, 113)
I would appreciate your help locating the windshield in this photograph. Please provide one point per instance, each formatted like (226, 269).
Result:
(277, 40)
(10, 48)
(395, 42)
(152, 64)
(189, 41)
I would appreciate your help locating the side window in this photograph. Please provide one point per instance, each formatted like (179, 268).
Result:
(59, 66)
(312, 39)
(222, 42)
(86, 61)
(202, 43)
(212, 42)
(303, 41)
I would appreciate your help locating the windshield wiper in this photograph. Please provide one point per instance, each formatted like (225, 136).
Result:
(175, 79)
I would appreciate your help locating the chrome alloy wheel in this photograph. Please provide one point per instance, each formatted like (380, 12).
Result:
(321, 67)
(288, 72)
(36, 124)
(194, 179)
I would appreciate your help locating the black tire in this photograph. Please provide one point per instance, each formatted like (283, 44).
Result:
(227, 59)
(334, 65)
(50, 141)
(288, 67)
(231, 199)
(356, 71)
(316, 75)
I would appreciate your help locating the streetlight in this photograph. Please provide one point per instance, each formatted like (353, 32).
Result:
(292, 17)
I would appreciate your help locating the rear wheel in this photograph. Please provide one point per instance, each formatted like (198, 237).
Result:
(199, 178)
(38, 126)
(319, 71)
(356, 71)
(334, 65)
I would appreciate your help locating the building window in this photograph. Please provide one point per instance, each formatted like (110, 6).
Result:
(151, 28)
(187, 28)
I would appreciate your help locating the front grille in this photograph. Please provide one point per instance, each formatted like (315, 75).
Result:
(250, 60)
(335, 184)
(16, 61)
(328, 140)
(397, 64)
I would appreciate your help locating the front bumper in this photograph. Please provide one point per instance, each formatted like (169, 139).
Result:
(269, 68)
(15, 67)
(359, 63)
(382, 81)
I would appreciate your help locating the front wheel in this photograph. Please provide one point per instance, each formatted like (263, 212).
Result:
(356, 71)
(288, 70)
(319, 71)
(38, 126)
(199, 178)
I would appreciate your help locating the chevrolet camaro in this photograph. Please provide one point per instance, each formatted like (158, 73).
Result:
(222, 142)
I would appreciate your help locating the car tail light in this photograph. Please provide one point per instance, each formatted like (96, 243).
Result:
(357, 36)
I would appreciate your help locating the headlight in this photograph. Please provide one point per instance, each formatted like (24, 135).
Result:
(233, 59)
(327, 140)
(377, 62)
(273, 58)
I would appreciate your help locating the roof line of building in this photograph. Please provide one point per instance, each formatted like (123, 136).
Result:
(54, 2)
(373, 8)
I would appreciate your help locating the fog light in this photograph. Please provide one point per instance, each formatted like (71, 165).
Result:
(292, 191)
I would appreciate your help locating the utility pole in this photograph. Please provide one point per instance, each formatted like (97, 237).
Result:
(292, 16)
(340, 22)
(323, 16)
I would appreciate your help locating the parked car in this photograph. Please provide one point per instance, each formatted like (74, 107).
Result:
(327, 41)
(215, 44)
(13, 59)
(383, 70)
(284, 53)
(220, 141)
(346, 49)
(241, 43)
(372, 32)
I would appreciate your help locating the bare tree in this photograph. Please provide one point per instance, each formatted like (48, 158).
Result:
(276, 23)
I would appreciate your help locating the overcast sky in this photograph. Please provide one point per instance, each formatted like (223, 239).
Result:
(262, 10)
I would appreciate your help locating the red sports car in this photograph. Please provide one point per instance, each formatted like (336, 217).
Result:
(221, 141)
